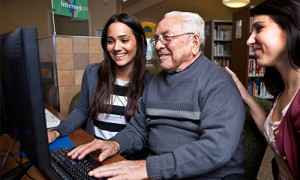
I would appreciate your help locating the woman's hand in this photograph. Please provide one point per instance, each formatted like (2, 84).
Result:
(52, 136)
(244, 93)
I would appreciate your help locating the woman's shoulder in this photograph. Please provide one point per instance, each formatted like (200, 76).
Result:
(93, 66)
(295, 106)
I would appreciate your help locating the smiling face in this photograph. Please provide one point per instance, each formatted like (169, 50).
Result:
(269, 41)
(177, 54)
(121, 45)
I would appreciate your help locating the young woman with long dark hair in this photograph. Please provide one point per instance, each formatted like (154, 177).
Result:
(111, 89)
(276, 41)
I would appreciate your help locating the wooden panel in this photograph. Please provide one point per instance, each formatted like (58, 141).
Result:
(209, 39)
(240, 51)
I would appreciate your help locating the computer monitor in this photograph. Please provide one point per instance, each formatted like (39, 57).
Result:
(22, 104)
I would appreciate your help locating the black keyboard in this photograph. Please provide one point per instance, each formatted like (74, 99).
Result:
(67, 168)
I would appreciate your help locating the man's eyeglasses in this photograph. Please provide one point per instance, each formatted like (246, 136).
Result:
(165, 39)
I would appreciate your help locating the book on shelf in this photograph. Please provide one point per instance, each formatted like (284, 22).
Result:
(251, 21)
(221, 49)
(251, 52)
(257, 88)
(222, 62)
(222, 32)
(255, 69)
(263, 92)
(253, 86)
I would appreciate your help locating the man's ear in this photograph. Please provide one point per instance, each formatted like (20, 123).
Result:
(196, 44)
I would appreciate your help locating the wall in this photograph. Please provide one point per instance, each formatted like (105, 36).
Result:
(17, 13)
(100, 13)
(36, 13)
(72, 55)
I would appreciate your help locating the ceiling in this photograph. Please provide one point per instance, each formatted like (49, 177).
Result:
(153, 10)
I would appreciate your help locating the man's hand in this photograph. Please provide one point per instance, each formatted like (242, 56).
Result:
(52, 136)
(122, 170)
(107, 148)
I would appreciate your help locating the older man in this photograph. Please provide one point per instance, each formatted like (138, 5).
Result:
(190, 116)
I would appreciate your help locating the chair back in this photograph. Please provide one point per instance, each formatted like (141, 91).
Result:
(74, 102)
(254, 143)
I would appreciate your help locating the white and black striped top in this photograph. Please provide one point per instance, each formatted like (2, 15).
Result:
(107, 127)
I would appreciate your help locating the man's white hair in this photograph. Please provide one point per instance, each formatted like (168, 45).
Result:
(192, 23)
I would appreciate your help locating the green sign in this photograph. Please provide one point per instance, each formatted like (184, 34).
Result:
(71, 8)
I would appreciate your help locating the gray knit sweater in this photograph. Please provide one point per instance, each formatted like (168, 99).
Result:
(192, 123)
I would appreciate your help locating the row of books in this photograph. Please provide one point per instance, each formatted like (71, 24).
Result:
(254, 69)
(222, 33)
(257, 88)
(251, 52)
(222, 62)
(251, 21)
(221, 49)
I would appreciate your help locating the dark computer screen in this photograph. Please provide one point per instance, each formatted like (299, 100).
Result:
(22, 104)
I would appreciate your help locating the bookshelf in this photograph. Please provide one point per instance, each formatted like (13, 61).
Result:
(243, 62)
(218, 41)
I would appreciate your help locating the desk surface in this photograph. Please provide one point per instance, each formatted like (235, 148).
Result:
(78, 137)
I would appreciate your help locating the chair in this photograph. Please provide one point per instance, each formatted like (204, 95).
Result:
(73, 105)
(254, 142)
(74, 102)
(254, 145)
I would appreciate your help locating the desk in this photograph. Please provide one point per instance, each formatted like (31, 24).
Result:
(78, 137)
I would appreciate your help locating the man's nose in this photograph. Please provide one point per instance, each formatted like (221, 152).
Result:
(159, 44)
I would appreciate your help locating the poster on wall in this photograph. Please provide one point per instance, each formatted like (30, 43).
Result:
(71, 8)
(238, 30)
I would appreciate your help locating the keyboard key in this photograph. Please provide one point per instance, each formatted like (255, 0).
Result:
(68, 168)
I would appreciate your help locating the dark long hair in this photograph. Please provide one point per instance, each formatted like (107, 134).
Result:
(107, 74)
(286, 13)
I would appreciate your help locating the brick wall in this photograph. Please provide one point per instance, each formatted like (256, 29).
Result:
(72, 55)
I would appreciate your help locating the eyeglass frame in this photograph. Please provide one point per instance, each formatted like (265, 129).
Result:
(153, 41)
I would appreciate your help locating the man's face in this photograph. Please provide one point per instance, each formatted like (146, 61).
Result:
(175, 55)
